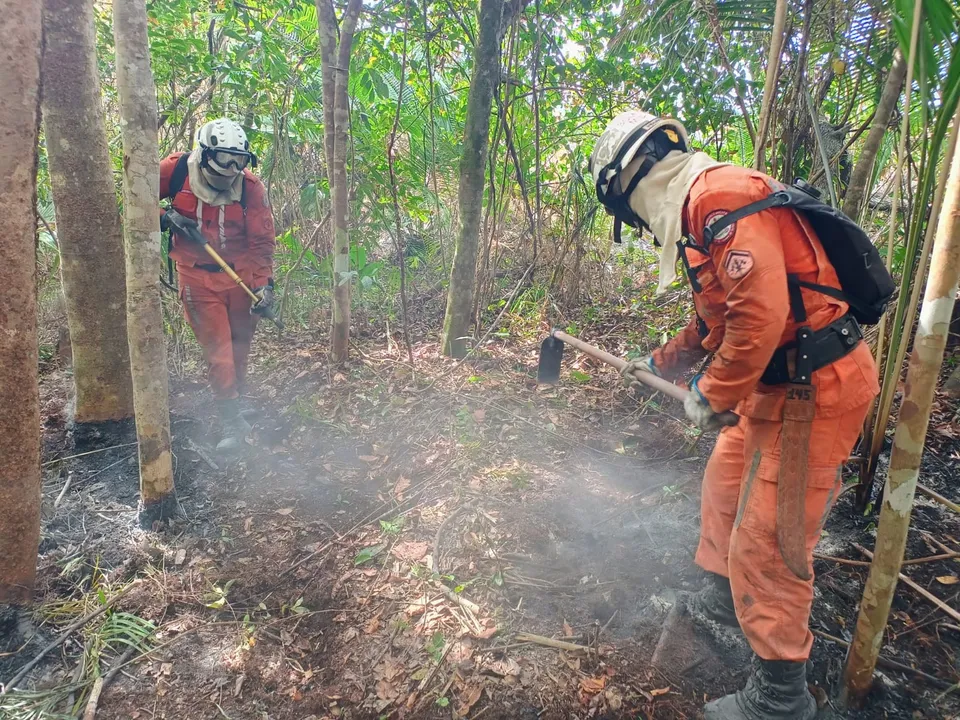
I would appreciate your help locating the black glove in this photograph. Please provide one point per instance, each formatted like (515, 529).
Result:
(267, 299)
(184, 225)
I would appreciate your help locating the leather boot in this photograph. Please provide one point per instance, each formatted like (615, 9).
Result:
(777, 690)
(715, 601)
(235, 428)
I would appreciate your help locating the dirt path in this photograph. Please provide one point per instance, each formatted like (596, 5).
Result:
(381, 545)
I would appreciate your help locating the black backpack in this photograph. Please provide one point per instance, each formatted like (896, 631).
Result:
(866, 285)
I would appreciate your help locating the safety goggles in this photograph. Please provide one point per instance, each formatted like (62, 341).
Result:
(236, 159)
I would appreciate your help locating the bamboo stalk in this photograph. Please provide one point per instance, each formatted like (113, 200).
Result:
(770, 82)
(926, 361)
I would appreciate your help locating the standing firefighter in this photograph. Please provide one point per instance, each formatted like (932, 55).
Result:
(212, 188)
(777, 308)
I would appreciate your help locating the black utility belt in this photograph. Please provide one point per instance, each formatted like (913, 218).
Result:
(212, 267)
(824, 346)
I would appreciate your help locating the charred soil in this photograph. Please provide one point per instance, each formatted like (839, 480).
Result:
(438, 541)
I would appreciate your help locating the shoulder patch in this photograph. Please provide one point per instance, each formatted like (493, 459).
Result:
(727, 233)
(738, 264)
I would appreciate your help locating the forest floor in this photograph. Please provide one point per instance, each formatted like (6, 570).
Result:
(392, 533)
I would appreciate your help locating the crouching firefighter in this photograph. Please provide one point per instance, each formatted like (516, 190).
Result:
(779, 281)
(212, 190)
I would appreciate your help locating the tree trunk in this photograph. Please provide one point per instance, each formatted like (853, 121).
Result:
(20, 22)
(335, 61)
(88, 221)
(863, 170)
(486, 74)
(922, 373)
(141, 231)
(770, 83)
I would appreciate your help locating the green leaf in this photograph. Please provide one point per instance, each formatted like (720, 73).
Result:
(579, 377)
(368, 554)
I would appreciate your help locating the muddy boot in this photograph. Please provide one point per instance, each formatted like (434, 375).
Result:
(247, 411)
(235, 428)
(777, 690)
(715, 601)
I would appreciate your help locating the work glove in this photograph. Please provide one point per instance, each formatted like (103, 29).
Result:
(643, 364)
(172, 219)
(267, 299)
(698, 410)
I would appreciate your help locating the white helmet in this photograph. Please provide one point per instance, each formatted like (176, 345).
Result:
(224, 147)
(628, 136)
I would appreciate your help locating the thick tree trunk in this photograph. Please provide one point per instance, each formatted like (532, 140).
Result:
(20, 23)
(141, 231)
(922, 374)
(88, 220)
(336, 78)
(770, 83)
(863, 170)
(486, 74)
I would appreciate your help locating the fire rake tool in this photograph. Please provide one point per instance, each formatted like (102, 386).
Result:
(193, 233)
(551, 354)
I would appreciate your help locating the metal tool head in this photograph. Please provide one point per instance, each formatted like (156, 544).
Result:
(551, 355)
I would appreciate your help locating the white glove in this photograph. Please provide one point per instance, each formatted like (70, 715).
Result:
(644, 364)
(698, 409)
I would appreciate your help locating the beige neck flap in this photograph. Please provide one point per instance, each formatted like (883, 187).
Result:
(209, 195)
(659, 199)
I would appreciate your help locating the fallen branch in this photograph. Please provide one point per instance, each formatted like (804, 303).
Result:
(841, 561)
(91, 452)
(938, 498)
(90, 712)
(189, 444)
(550, 642)
(412, 700)
(63, 637)
(889, 664)
(863, 563)
(458, 599)
(932, 558)
(926, 594)
(66, 489)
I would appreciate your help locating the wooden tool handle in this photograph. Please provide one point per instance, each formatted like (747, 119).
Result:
(231, 273)
(657, 383)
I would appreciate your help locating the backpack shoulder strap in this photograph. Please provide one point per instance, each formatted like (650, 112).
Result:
(179, 176)
(243, 194)
(775, 199)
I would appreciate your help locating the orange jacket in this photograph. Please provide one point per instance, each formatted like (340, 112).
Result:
(744, 303)
(244, 238)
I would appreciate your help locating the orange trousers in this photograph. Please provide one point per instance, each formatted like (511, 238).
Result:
(738, 532)
(224, 327)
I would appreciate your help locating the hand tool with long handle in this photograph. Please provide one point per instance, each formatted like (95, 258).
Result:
(551, 353)
(194, 234)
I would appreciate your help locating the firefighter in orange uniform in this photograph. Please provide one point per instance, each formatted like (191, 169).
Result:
(752, 285)
(213, 187)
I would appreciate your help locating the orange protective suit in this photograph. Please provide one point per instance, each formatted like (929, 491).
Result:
(216, 309)
(744, 313)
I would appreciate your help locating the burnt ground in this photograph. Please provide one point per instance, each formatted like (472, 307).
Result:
(304, 581)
